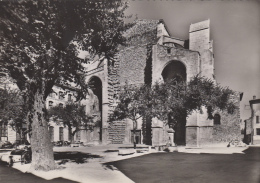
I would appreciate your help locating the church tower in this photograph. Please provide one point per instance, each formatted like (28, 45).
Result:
(199, 40)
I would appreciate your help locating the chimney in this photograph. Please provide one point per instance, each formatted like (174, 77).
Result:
(254, 97)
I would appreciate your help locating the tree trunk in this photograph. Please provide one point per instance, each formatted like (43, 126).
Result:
(42, 150)
(71, 135)
(134, 128)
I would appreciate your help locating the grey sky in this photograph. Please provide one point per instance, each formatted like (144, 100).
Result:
(235, 30)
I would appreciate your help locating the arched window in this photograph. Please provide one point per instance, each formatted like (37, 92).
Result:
(50, 103)
(61, 133)
(51, 130)
(3, 130)
(52, 94)
(216, 119)
(69, 136)
(78, 135)
(69, 97)
(61, 95)
(60, 105)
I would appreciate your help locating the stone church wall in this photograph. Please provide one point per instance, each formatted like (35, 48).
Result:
(132, 65)
(229, 128)
(143, 32)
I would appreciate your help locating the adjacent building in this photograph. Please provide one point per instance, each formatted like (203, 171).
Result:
(252, 125)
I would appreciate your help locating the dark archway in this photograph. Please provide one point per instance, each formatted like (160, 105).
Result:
(95, 85)
(216, 119)
(176, 70)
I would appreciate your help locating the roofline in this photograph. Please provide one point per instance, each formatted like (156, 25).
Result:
(162, 21)
(241, 95)
(174, 38)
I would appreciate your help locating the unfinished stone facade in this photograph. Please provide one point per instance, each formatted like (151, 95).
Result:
(151, 55)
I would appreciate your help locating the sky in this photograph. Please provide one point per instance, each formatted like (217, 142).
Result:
(234, 29)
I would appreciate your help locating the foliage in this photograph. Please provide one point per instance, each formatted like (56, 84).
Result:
(173, 100)
(72, 115)
(204, 92)
(131, 105)
(41, 39)
(40, 45)
(12, 110)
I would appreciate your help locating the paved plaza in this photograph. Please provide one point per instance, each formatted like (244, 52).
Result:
(193, 168)
(103, 164)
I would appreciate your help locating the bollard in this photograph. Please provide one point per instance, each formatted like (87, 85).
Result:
(11, 161)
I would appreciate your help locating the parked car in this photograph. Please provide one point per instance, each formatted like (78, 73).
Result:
(24, 155)
(58, 143)
(66, 143)
(19, 144)
(7, 145)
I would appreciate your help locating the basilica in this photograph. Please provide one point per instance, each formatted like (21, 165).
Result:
(150, 55)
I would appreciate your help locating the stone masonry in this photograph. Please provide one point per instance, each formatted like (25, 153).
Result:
(149, 52)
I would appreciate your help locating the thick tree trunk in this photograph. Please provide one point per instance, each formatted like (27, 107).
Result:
(42, 150)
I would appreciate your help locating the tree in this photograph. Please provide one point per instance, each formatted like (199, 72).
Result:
(40, 44)
(131, 105)
(173, 100)
(73, 115)
(11, 110)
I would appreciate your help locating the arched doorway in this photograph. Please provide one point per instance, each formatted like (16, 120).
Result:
(176, 70)
(95, 84)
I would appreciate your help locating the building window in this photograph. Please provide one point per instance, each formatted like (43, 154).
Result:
(257, 119)
(61, 133)
(168, 50)
(78, 135)
(69, 97)
(60, 105)
(3, 130)
(69, 136)
(51, 130)
(216, 119)
(258, 131)
(61, 95)
(50, 103)
(52, 94)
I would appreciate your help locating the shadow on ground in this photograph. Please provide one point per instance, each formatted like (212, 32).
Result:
(11, 175)
(76, 157)
(194, 168)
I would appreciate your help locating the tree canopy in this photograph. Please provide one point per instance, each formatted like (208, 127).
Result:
(73, 116)
(12, 110)
(40, 46)
(41, 40)
(173, 100)
(131, 105)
